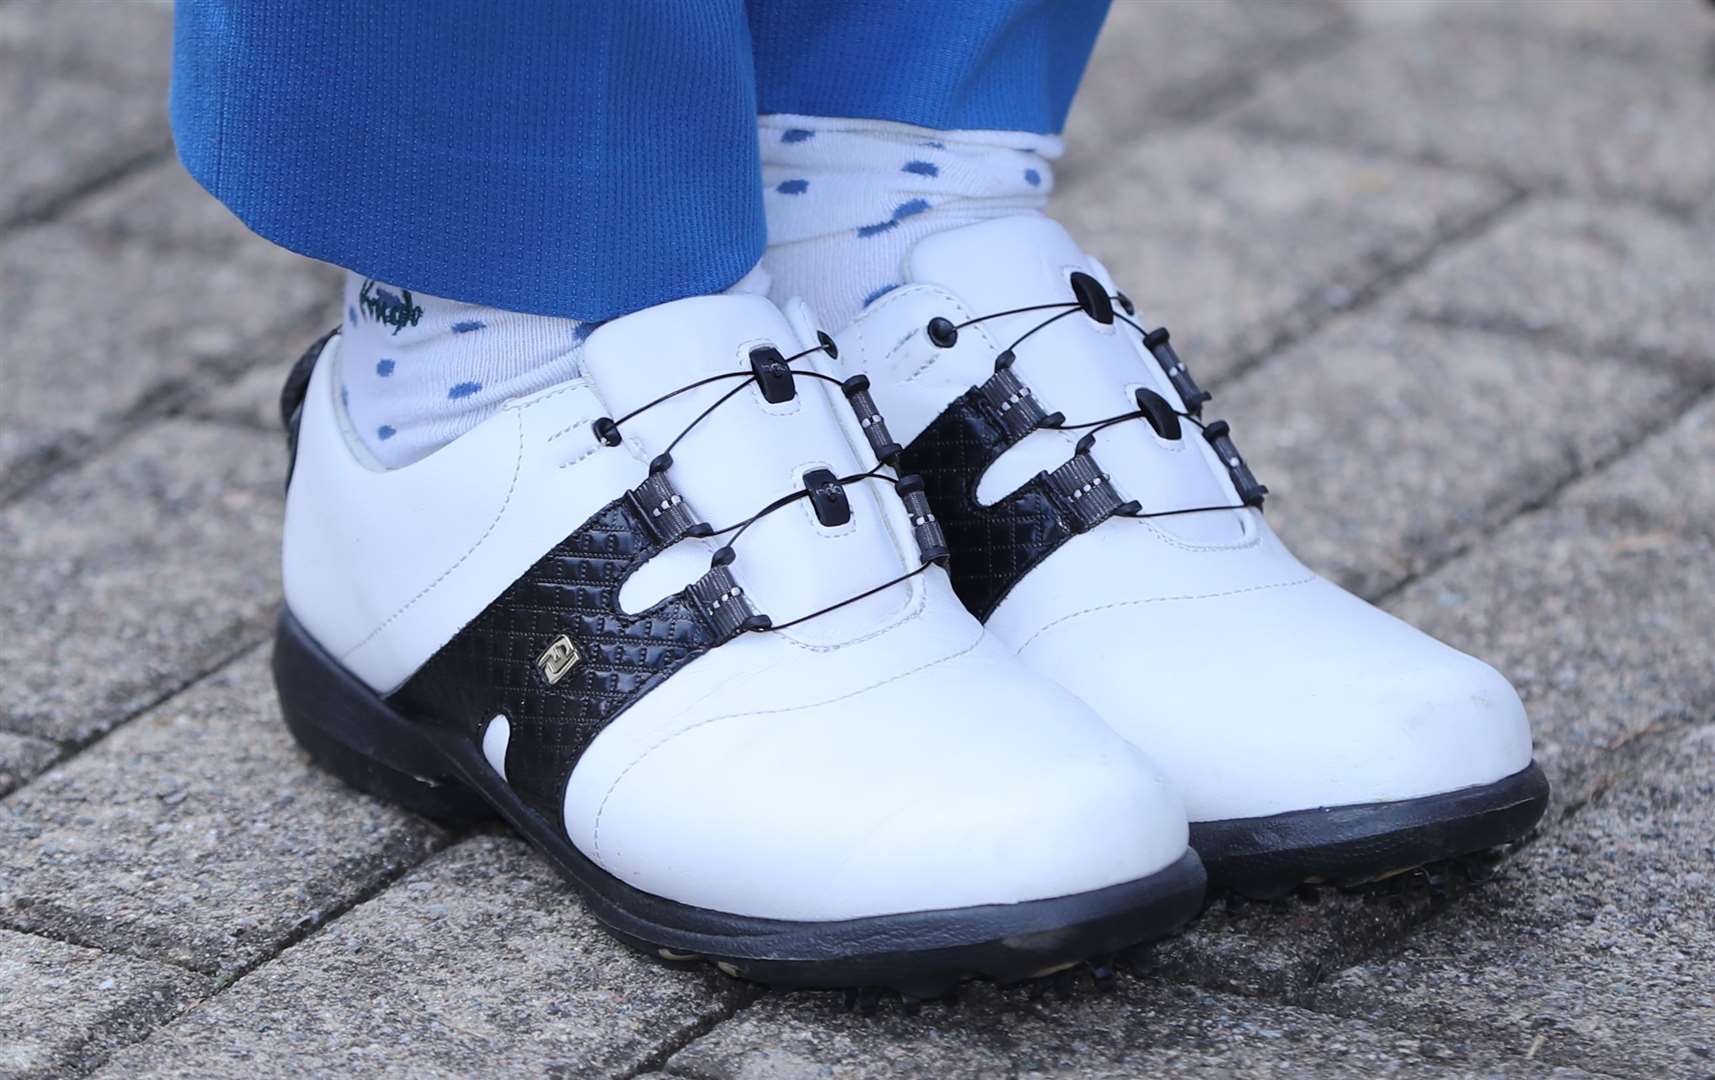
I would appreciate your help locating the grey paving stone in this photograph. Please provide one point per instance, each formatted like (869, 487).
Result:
(163, 208)
(249, 400)
(64, 1009)
(135, 573)
(1140, 1030)
(1162, 62)
(481, 962)
(1597, 951)
(1233, 242)
(1388, 446)
(22, 757)
(1473, 95)
(1677, 31)
(198, 834)
(82, 92)
(1278, 950)
(124, 43)
(1613, 281)
(103, 330)
(1600, 607)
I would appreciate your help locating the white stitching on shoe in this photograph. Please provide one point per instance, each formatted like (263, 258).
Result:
(517, 469)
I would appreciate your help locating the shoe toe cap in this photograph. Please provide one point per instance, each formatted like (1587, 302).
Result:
(1291, 700)
(971, 782)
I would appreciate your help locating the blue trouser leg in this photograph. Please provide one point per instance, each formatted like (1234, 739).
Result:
(573, 159)
(576, 159)
(1007, 65)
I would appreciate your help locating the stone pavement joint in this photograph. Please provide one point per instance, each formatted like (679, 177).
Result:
(480, 959)
(22, 757)
(1465, 340)
(197, 834)
(64, 1009)
(1242, 245)
(1392, 447)
(135, 573)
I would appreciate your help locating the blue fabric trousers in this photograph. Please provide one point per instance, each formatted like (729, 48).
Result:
(581, 159)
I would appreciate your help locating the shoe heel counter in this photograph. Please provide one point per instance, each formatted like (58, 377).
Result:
(315, 496)
(293, 394)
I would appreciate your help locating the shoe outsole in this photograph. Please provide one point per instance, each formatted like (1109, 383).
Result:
(351, 731)
(1366, 845)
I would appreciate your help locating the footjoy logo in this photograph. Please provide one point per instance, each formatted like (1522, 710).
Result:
(389, 308)
(560, 658)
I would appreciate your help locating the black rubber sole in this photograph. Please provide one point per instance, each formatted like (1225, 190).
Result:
(352, 732)
(1350, 846)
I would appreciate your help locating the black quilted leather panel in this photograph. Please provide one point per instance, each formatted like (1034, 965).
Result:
(993, 546)
(493, 666)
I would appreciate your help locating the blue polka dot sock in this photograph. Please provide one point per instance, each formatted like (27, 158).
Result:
(417, 371)
(847, 199)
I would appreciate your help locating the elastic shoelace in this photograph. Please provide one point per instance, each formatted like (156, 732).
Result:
(1055, 421)
(607, 432)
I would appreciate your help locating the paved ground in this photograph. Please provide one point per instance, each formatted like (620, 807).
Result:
(1450, 268)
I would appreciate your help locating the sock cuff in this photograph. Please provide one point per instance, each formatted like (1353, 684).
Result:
(779, 125)
(824, 176)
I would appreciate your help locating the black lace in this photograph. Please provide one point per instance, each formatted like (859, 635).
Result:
(607, 432)
(944, 332)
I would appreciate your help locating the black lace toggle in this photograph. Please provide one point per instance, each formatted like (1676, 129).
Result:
(1158, 413)
(716, 594)
(773, 375)
(869, 418)
(1011, 405)
(931, 541)
(1085, 493)
(1244, 481)
(943, 333)
(827, 497)
(1158, 343)
(724, 604)
(663, 511)
(1093, 298)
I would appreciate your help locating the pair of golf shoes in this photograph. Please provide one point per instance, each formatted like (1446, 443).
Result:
(954, 646)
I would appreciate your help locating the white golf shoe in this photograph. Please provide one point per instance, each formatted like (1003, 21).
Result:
(672, 622)
(1104, 526)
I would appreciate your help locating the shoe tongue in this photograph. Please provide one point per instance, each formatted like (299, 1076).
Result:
(1074, 366)
(737, 457)
(747, 452)
(996, 265)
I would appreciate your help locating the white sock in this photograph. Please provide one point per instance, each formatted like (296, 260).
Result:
(847, 199)
(418, 371)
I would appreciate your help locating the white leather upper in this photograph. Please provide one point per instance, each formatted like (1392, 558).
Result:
(1257, 686)
(890, 756)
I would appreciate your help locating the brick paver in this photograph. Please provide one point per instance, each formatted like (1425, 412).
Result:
(198, 834)
(1138, 1030)
(136, 571)
(64, 1008)
(1516, 101)
(1447, 264)
(480, 962)
(1236, 243)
